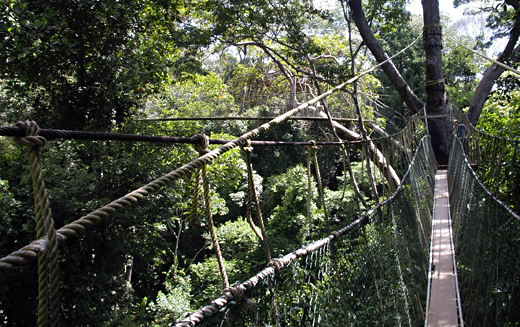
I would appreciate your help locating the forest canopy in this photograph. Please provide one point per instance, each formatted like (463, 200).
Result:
(122, 65)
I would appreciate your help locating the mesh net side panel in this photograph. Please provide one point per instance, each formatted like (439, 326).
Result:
(374, 273)
(487, 243)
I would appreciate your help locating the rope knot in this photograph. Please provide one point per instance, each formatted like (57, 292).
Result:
(236, 291)
(202, 147)
(277, 264)
(31, 137)
(312, 147)
(246, 145)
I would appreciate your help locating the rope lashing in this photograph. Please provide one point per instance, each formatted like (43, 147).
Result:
(247, 150)
(309, 190)
(202, 148)
(312, 150)
(48, 272)
(433, 82)
(262, 235)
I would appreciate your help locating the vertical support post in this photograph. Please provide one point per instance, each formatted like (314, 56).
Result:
(48, 270)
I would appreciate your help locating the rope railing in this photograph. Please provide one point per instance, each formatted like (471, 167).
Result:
(486, 235)
(48, 239)
(32, 250)
(496, 160)
(53, 134)
(48, 288)
(28, 252)
(198, 118)
(404, 138)
(306, 280)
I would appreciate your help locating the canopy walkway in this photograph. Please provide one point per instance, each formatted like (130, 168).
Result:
(443, 298)
(375, 269)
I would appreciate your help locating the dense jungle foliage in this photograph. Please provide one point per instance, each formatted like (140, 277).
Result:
(115, 66)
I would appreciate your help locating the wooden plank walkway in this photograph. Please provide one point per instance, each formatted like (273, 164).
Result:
(443, 302)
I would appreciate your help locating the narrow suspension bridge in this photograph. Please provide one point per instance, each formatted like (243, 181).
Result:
(314, 285)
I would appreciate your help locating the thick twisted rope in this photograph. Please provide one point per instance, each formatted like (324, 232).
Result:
(202, 148)
(195, 202)
(250, 183)
(48, 275)
(312, 152)
(309, 190)
(51, 134)
(105, 212)
(241, 291)
(251, 194)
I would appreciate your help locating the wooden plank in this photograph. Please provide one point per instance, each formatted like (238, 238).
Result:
(443, 302)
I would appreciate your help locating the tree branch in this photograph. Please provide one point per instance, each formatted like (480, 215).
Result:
(376, 49)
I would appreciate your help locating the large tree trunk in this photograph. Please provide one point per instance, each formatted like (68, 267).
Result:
(406, 94)
(440, 128)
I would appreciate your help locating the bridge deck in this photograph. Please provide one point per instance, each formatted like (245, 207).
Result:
(443, 302)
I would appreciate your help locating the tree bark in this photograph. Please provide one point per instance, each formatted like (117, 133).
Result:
(406, 94)
(440, 128)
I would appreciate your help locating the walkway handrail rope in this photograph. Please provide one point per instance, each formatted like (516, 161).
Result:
(488, 192)
(48, 271)
(484, 236)
(262, 235)
(51, 134)
(501, 153)
(241, 291)
(28, 252)
(473, 128)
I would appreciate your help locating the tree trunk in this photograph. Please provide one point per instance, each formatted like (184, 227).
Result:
(406, 94)
(440, 128)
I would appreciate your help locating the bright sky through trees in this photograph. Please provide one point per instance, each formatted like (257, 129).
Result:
(446, 6)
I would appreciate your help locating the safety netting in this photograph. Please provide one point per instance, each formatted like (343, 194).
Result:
(372, 272)
(487, 242)
(496, 162)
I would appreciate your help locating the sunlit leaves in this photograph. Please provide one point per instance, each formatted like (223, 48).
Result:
(501, 115)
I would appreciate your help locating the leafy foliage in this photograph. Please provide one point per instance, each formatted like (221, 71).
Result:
(501, 115)
(90, 62)
(98, 65)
